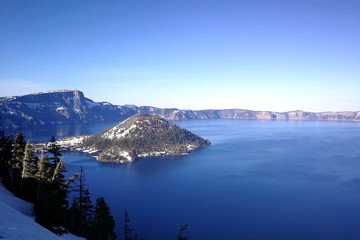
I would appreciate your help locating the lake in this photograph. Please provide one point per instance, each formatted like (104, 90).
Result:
(258, 180)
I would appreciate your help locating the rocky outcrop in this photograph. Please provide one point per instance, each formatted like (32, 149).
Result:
(70, 106)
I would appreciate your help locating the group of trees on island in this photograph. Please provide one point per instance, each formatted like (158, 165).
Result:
(40, 179)
(149, 137)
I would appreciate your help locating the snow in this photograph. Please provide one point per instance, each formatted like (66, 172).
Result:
(11, 123)
(71, 141)
(10, 200)
(17, 221)
(70, 236)
(12, 112)
(165, 152)
(56, 91)
(62, 108)
(92, 104)
(132, 106)
(91, 151)
(106, 104)
(8, 98)
(119, 155)
(118, 132)
(57, 104)
(191, 147)
(34, 106)
(125, 155)
(152, 154)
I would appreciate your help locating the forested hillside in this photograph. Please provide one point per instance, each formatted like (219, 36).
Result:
(40, 180)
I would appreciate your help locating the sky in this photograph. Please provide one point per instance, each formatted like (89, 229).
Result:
(275, 55)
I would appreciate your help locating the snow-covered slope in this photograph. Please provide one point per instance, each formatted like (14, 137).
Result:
(17, 221)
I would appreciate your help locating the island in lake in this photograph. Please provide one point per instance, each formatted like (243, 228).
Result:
(141, 135)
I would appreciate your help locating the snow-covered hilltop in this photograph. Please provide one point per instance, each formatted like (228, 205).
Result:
(141, 135)
(71, 106)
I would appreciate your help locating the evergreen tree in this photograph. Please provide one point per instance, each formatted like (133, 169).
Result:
(43, 182)
(182, 229)
(42, 176)
(29, 162)
(43, 173)
(86, 207)
(83, 207)
(54, 150)
(60, 184)
(103, 223)
(6, 148)
(127, 229)
(16, 162)
(19, 150)
(29, 167)
(58, 173)
(73, 217)
(52, 193)
(53, 189)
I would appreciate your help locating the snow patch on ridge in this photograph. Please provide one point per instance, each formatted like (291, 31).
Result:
(12, 124)
(62, 108)
(92, 104)
(34, 106)
(119, 132)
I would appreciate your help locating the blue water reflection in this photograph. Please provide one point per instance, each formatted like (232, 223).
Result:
(258, 180)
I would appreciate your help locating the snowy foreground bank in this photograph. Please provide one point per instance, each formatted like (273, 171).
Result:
(17, 220)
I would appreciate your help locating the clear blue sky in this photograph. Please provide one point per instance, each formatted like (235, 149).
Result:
(275, 55)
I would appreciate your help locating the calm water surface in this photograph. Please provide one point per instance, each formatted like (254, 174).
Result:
(259, 180)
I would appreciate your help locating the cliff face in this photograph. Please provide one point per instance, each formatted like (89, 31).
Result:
(71, 106)
(42, 108)
(176, 114)
(57, 107)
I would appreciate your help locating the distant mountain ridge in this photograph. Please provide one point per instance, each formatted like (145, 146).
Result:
(71, 106)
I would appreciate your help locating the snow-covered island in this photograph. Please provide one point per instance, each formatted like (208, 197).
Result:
(141, 135)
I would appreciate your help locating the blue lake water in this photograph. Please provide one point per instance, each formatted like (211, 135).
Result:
(258, 180)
